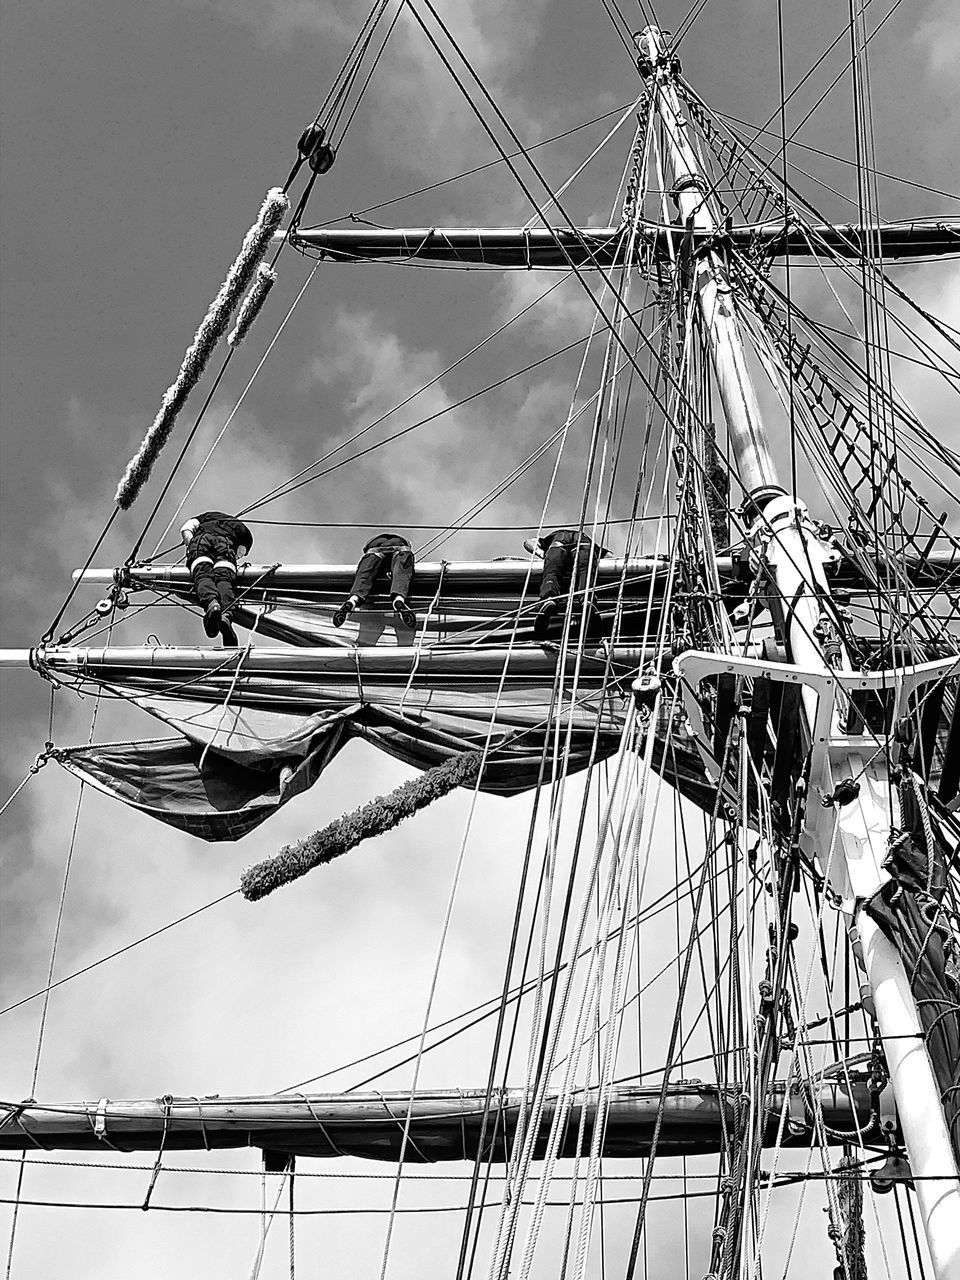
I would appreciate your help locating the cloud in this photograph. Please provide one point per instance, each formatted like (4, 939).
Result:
(938, 36)
(421, 108)
(439, 469)
(281, 22)
(414, 113)
(564, 314)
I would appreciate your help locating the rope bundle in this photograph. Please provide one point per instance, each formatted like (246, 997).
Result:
(372, 819)
(212, 328)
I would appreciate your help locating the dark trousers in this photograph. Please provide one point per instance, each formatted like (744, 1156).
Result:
(212, 562)
(563, 564)
(374, 564)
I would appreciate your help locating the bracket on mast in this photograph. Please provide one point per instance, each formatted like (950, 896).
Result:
(833, 756)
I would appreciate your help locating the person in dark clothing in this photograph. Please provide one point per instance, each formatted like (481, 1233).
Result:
(214, 542)
(569, 558)
(386, 552)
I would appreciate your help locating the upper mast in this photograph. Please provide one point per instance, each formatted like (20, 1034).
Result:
(784, 538)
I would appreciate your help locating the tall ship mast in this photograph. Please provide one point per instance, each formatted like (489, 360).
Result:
(727, 748)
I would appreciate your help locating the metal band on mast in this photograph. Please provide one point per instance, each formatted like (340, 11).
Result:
(785, 538)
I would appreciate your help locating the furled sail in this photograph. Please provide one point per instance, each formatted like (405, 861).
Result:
(691, 1118)
(256, 728)
(470, 602)
(466, 602)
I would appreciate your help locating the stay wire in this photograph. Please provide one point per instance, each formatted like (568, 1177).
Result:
(492, 386)
(347, 70)
(363, 88)
(946, 331)
(235, 409)
(529, 944)
(77, 973)
(619, 27)
(689, 18)
(283, 489)
(829, 155)
(576, 270)
(49, 985)
(490, 1006)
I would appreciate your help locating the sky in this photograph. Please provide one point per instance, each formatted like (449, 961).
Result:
(137, 144)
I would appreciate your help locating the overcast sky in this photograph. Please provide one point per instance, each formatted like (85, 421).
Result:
(138, 141)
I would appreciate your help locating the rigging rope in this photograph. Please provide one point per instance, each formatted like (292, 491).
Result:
(49, 984)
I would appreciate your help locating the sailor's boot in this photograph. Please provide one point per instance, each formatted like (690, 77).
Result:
(348, 606)
(404, 612)
(211, 618)
(541, 624)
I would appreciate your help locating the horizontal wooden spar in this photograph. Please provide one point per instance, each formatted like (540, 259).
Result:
(607, 246)
(478, 577)
(439, 662)
(482, 579)
(444, 1125)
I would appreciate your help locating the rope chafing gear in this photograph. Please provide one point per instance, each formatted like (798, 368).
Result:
(846, 1222)
(266, 278)
(212, 328)
(346, 833)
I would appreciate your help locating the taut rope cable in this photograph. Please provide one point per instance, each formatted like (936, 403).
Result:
(49, 986)
(363, 88)
(288, 487)
(829, 155)
(77, 973)
(576, 270)
(357, 215)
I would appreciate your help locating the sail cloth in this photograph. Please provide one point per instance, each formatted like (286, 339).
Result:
(212, 797)
(251, 739)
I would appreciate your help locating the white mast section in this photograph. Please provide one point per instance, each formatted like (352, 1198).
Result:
(785, 537)
(717, 306)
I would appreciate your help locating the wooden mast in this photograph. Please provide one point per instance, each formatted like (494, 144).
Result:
(785, 538)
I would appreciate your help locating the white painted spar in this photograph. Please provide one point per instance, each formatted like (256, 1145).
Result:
(510, 571)
(712, 288)
(429, 659)
(15, 657)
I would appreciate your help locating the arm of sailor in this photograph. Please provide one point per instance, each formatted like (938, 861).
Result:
(244, 539)
(188, 530)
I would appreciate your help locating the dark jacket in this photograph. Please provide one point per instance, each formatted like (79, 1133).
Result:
(385, 542)
(221, 525)
(570, 538)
